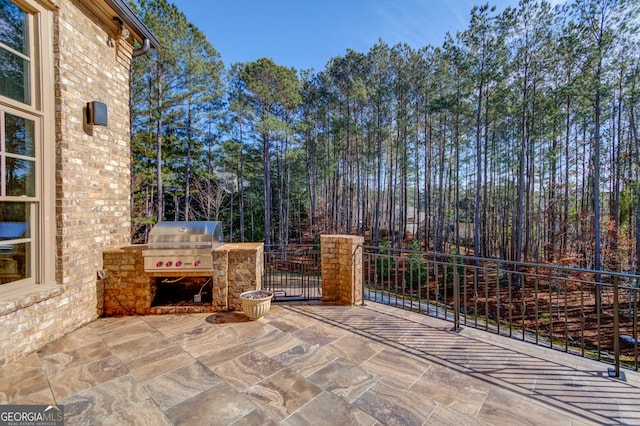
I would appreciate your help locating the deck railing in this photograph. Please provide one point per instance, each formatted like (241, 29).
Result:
(589, 313)
(293, 271)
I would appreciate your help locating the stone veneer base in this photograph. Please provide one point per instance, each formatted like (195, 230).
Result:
(181, 309)
(130, 290)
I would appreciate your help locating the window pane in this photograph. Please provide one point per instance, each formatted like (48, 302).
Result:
(19, 135)
(14, 77)
(14, 27)
(14, 258)
(20, 177)
(14, 221)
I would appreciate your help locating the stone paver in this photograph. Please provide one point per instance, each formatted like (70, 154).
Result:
(313, 364)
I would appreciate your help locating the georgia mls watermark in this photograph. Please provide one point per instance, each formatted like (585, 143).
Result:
(31, 415)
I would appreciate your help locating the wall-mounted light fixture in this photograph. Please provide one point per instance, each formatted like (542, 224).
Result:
(96, 113)
(124, 32)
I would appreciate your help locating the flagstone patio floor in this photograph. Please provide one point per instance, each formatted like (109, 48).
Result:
(313, 364)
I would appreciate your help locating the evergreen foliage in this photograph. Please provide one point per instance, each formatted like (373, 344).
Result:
(517, 138)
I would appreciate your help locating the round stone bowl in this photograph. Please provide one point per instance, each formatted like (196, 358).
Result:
(256, 303)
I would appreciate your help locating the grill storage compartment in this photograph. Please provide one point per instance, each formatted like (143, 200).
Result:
(176, 247)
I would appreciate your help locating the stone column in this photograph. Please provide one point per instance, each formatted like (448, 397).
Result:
(220, 279)
(242, 271)
(341, 257)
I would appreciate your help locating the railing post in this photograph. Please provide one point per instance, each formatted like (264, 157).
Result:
(456, 296)
(361, 251)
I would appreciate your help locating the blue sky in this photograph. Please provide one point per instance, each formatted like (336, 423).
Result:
(307, 33)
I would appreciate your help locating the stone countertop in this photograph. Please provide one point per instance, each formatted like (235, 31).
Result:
(224, 247)
(131, 247)
(240, 247)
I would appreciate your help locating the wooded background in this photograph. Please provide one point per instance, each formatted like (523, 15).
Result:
(517, 138)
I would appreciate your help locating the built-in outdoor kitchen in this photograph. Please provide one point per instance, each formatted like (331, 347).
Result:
(184, 267)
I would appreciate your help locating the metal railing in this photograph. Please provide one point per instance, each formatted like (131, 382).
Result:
(293, 272)
(588, 313)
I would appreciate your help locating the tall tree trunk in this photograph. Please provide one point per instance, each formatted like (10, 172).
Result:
(636, 143)
(266, 164)
(313, 180)
(553, 203)
(378, 177)
(187, 173)
(567, 167)
(241, 189)
(524, 125)
(159, 191)
(596, 189)
(439, 226)
(477, 218)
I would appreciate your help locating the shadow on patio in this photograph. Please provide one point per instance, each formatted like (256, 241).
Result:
(312, 364)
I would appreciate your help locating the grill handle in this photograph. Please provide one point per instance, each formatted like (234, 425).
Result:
(176, 244)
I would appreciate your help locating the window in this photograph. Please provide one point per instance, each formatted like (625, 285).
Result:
(14, 52)
(24, 119)
(18, 195)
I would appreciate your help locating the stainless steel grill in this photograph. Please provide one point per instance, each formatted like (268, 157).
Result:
(175, 247)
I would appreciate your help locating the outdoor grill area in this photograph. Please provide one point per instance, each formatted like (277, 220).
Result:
(184, 268)
(131, 288)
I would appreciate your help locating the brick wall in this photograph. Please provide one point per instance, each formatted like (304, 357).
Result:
(93, 162)
(341, 257)
(92, 181)
(35, 320)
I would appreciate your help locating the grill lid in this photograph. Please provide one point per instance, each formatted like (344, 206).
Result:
(178, 247)
(186, 235)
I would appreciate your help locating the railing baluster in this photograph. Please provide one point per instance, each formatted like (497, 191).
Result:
(456, 297)
(616, 330)
(598, 317)
(510, 306)
(486, 299)
(475, 295)
(536, 308)
(436, 292)
(429, 287)
(634, 319)
(523, 307)
(582, 319)
(551, 309)
(498, 279)
(566, 317)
